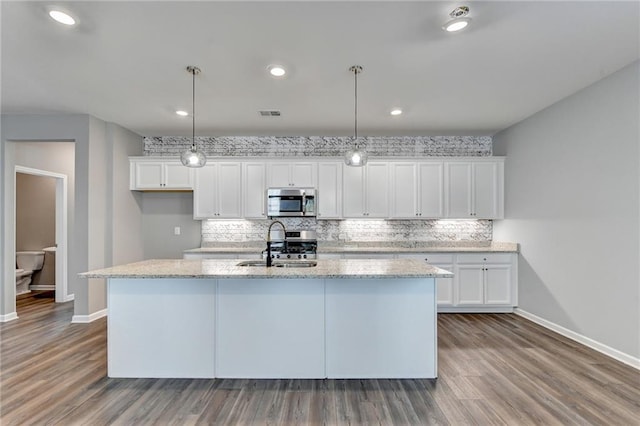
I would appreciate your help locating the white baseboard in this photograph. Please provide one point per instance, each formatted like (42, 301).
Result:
(475, 310)
(84, 319)
(42, 287)
(602, 348)
(9, 317)
(69, 297)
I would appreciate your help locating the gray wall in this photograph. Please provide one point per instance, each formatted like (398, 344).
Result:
(572, 202)
(125, 211)
(35, 212)
(100, 149)
(162, 212)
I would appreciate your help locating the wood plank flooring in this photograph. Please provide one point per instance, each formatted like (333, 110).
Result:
(493, 369)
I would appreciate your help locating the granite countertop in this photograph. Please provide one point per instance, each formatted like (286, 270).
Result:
(207, 268)
(373, 247)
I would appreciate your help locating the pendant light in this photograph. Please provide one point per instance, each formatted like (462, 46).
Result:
(355, 157)
(193, 157)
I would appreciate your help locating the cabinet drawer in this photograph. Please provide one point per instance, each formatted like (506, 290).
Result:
(433, 258)
(485, 258)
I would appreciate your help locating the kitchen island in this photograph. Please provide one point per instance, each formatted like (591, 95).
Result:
(357, 318)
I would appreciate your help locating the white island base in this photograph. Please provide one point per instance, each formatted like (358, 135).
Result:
(272, 328)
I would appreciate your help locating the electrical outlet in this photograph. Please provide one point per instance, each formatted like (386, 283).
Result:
(176, 230)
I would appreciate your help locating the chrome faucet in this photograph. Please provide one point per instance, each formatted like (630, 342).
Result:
(284, 230)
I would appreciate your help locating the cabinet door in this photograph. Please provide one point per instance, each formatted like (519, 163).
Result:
(279, 175)
(148, 175)
(498, 285)
(404, 191)
(377, 185)
(177, 176)
(303, 175)
(204, 193)
(329, 197)
(444, 287)
(486, 190)
(353, 192)
(458, 190)
(470, 283)
(253, 190)
(431, 190)
(229, 190)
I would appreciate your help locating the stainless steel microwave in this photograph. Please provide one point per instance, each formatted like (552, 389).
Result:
(292, 202)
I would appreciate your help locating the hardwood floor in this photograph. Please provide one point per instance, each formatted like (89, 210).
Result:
(493, 369)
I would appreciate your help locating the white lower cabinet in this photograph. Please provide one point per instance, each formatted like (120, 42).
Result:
(444, 286)
(486, 280)
(482, 282)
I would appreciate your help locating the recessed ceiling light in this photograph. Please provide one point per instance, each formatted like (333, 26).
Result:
(458, 20)
(396, 111)
(276, 70)
(456, 24)
(62, 17)
(182, 113)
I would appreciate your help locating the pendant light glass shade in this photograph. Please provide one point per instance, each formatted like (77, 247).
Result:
(193, 157)
(356, 157)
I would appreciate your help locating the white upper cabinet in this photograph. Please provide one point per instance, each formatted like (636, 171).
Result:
(474, 189)
(417, 190)
(148, 174)
(431, 190)
(217, 192)
(455, 188)
(329, 196)
(298, 174)
(365, 191)
(404, 191)
(254, 189)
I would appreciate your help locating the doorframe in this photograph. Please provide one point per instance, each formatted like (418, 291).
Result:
(61, 229)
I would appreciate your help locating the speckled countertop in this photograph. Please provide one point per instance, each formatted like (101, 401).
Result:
(374, 247)
(207, 268)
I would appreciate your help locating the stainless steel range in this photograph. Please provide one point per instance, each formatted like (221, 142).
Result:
(293, 245)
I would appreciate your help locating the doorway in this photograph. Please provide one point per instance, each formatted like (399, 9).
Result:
(61, 188)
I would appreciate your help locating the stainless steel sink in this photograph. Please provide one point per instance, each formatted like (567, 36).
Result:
(280, 263)
(295, 264)
(252, 263)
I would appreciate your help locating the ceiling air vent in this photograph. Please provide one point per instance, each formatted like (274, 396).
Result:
(270, 113)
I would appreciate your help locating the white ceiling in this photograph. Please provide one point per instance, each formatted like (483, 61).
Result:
(125, 63)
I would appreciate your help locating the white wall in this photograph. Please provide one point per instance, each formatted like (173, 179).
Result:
(572, 194)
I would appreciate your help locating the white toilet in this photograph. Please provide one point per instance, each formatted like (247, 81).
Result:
(28, 262)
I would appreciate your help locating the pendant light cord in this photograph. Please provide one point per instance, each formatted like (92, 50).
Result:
(356, 69)
(193, 110)
(355, 97)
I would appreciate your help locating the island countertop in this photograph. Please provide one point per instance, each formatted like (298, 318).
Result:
(224, 269)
